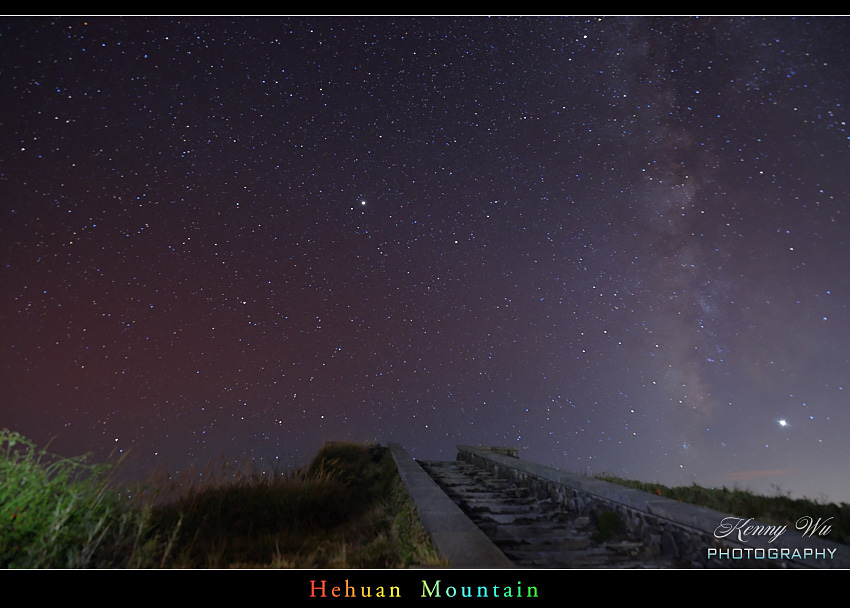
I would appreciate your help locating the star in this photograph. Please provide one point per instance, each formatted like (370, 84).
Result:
(631, 225)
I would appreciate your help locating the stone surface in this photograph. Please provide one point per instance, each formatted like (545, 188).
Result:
(681, 534)
(535, 532)
(462, 543)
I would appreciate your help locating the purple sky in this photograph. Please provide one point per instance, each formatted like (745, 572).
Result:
(619, 244)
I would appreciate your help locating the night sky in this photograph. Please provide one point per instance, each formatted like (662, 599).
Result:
(618, 244)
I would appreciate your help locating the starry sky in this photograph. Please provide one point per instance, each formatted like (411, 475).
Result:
(619, 244)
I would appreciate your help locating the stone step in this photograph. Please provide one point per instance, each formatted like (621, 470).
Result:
(532, 532)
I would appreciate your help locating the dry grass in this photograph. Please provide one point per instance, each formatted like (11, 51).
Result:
(347, 509)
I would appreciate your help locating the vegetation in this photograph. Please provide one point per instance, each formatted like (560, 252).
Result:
(347, 509)
(608, 526)
(64, 513)
(780, 509)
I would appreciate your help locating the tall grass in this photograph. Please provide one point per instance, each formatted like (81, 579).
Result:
(347, 509)
(60, 512)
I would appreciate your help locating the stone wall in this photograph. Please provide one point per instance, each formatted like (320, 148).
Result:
(687, 533)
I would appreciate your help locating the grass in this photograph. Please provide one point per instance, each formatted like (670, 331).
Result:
(65, 513)
(347, 509)
(780, 509)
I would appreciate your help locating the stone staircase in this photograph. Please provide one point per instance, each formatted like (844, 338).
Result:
(534, 532)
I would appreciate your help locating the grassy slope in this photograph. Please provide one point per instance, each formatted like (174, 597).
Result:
(347, 509)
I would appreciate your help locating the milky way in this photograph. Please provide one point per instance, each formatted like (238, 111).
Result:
(618, 244)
